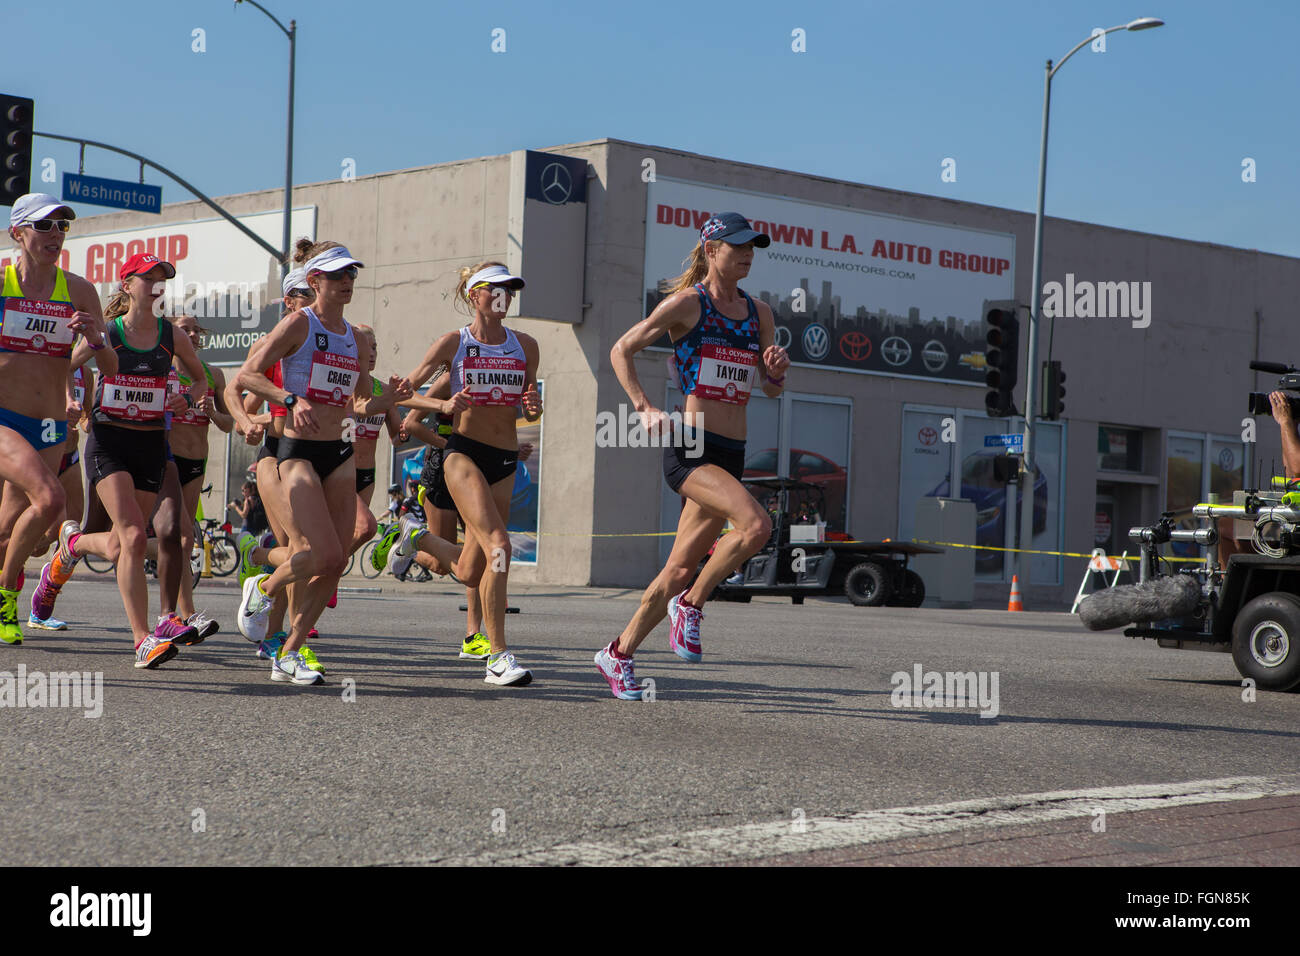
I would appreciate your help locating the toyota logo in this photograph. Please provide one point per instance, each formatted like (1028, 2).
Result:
(783, 336)
(928, 435)
(557, 184)
(816, 343)
(934, 355)
(896, 350)
(855, 346)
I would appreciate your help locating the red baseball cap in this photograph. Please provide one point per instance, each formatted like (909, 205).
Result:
(142, 262)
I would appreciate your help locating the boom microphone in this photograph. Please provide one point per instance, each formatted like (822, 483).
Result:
(1152, 600)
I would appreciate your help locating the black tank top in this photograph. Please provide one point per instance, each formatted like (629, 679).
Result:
(137, 394)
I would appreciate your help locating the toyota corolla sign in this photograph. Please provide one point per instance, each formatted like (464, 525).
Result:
(852, 290)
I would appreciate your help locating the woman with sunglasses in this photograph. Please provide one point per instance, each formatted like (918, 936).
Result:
(126, 456)
(51, 321)
(323, 364)
(493, 372)
(721, 339)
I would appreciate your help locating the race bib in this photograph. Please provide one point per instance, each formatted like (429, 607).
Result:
(134, 398)
(333, 378)
(492, 380)
(39, 328)
(726, 374)
(368, 428)
(191, 416)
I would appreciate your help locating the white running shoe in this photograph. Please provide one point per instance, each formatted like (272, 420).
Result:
(412, 528)
(205, 625)
(291, 667)
(254, 610)
(505, 671)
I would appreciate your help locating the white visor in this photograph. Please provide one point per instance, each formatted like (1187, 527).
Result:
(295, 279)
(494, 275)
(332, 260)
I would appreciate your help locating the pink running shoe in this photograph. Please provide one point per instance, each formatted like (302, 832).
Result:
(334, 599)
(172, 628)
(619, 671)
(44, 596)
(684, 629)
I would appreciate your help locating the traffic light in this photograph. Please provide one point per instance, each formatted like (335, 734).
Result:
(1001, 359)
(15, 147)
(1053, 390)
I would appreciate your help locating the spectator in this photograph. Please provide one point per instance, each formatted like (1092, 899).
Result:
(251, 511)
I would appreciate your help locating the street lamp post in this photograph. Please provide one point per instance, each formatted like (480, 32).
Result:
(1035, 300)
(291, 31)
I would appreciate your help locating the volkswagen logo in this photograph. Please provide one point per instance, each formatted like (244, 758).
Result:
(855, 346)
(934, 355)
(783, 336)
(816, 343)
(1226, 459)
(557, 184)
(896, 350)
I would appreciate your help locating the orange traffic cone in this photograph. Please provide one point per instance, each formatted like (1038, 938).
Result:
(1014, 603)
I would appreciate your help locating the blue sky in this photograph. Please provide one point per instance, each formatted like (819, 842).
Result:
(1149, 135)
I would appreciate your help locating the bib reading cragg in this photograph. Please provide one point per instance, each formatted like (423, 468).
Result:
(134, 398)
(332, 378)
(32, 325)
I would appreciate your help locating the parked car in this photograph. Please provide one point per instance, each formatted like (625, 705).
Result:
(990, 497)
(811, 467)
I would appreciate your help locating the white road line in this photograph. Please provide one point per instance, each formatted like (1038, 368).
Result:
(761, 840)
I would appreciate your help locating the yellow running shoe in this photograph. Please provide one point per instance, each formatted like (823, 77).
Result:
(10, 631)
(476, 647)
(309, 658)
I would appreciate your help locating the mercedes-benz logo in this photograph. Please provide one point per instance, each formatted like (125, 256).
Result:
(816, 343)
(934, 355)
(896, 350)
(557, 184)
(783, 336)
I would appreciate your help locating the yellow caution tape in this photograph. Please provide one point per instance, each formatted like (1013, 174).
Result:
(1064, 554)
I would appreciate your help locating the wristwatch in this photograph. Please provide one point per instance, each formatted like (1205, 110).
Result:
(290, 400)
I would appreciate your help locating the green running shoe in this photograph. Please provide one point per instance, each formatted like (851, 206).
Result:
(10, 632)
(247, 568)
(379, 556)
(309, 658)
(476, 647)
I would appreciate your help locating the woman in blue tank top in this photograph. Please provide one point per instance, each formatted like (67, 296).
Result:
(722, 340)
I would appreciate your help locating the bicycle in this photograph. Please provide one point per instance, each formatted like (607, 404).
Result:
(223, 552)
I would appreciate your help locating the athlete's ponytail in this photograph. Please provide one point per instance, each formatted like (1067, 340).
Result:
(118, 304)
(697, 267)
(461, 295)
(304, 250)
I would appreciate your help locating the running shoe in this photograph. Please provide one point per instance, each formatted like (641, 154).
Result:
(269, 649)
(64, 560)
(205, 625)
(247, 568)
(45, 594)
(402, 565)
(334, 599)
(10, 632)
(154, 650)
(410, 530)
(254, 610)
(291, 667)
(172, 628)
(309, 658)
(476, 647)
(684, 631)
(504, 670)
(46, 624)
(619, 671)
(379, 556)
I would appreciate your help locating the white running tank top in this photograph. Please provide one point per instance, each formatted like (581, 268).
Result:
(326, 367)
(492, 374)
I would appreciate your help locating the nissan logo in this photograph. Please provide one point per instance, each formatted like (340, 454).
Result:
(934, 355)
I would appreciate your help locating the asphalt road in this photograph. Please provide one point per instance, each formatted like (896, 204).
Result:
(206, 761)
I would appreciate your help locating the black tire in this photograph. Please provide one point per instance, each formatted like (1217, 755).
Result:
(225, 556)
(99, 565)
(912, 593)
(367, 566)
(1266, 641)
(352, 561)
(867, 585)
